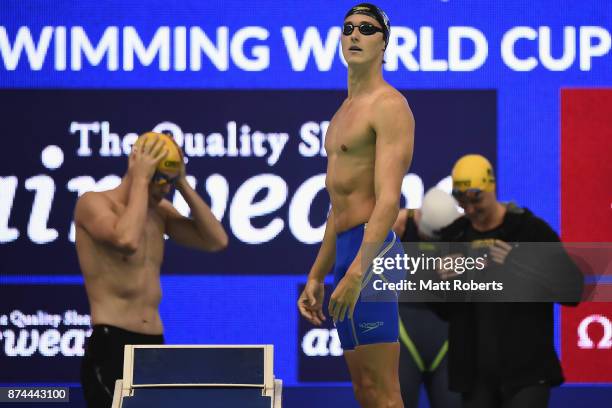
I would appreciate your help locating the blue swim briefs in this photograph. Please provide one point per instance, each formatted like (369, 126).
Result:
(375, 320)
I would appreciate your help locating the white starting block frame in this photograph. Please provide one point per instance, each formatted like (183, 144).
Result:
(270, 387)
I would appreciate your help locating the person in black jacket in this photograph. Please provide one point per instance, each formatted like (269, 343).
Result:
(500, 354)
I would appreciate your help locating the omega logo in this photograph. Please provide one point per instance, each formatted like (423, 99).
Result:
(585, 342)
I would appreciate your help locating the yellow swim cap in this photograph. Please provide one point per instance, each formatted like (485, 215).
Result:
(473, 172)
(172, 162)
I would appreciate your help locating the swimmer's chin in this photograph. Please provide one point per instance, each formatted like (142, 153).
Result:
(476, 217)
(356, 60)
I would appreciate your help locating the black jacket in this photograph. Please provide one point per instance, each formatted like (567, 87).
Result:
(525, 333)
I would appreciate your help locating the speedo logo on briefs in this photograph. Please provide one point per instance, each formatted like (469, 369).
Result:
(366, 327)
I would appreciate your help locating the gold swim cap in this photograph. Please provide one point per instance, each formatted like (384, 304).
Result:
(473, 172)
(172, 162)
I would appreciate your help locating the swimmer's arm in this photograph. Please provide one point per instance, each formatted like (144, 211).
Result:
(202, 231)
(94, 214)
(393, 123)
(327, 252)
(399, 226)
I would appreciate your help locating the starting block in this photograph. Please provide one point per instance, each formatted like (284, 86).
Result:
(194, 376)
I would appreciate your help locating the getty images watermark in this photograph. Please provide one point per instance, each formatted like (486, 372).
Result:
(467, 272)
(450, 264)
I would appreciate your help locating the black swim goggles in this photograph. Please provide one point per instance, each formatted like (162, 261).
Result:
(472, 195)
(161, 179)
(364, 28)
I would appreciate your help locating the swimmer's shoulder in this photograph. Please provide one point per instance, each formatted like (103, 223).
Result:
(389, 103)
(93, 201)
(165, 208)
(94, 197)
(389, 98)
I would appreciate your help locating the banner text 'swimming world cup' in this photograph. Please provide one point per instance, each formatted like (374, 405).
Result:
(249, 48)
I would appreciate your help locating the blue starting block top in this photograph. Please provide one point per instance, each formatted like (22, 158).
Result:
(175, 366)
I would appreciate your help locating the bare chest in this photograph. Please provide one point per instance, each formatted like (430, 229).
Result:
(350, 132)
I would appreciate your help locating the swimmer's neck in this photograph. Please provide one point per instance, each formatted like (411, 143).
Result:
(363, 79)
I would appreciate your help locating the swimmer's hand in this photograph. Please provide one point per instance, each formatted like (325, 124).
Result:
(310, 302)
(344, 298)
(448, 273)
(181, 183)
(182, 178)
(144, 159)
(499, 251)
